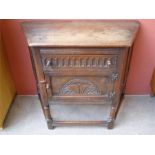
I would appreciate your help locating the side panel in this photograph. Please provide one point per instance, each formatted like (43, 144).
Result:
(7, 88)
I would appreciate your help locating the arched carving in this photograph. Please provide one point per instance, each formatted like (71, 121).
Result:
(79, 87)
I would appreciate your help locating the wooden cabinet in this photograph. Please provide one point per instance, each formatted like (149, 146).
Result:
(80, 62)
(7, 88)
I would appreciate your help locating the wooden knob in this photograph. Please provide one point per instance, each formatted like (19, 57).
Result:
(47, 86)
(108, 62)
(48, 63)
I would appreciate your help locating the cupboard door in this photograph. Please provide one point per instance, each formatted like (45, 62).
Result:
(82, 90)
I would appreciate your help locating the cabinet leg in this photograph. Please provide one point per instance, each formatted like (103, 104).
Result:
(118, 107)
(110, 124)
(50, 124)
(47, 114)
(48, 117)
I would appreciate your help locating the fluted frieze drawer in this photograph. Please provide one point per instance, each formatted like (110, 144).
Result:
(79, 64)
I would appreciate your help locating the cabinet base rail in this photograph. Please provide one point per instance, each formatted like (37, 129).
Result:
(53, 124)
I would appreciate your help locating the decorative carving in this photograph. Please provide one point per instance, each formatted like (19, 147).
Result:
(79, 87)
(48, 61)
(47, 85)
(77, 61)
(111, 95)
(114, 76)
(107, 63)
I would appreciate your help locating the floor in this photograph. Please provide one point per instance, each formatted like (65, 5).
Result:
(136, 117)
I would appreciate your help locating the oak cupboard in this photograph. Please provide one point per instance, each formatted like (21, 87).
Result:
(80, 62)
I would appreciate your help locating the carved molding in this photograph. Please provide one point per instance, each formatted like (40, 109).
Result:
(79, 87)
(114, 77)
(111, 95)
(77, 61)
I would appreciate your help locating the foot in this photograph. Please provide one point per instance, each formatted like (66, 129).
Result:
(110, 124)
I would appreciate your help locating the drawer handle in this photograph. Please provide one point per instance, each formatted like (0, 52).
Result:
(48, 63)
(47, 86)
(108, 63)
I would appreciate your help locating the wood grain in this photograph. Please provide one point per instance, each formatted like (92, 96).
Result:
(81, 33)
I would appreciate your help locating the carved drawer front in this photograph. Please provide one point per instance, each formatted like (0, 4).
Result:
(82, 88)
(75, 63)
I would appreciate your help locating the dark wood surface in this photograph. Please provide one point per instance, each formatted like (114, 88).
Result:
(81, 33)
(81, 62)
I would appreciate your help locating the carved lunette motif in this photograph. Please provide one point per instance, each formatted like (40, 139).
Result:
(79, 87)
(77, 61)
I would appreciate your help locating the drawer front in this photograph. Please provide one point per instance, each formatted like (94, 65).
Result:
(78, 62)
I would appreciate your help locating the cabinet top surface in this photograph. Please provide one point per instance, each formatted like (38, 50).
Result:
(81, 33)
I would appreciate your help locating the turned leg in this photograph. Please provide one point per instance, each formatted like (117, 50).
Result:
(118, 107)
(113, 112)
(49, 125)
(110, 122)
(47, 114)
(48, 117)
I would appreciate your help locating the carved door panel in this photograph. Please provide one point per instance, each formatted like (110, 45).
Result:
(76, 89)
